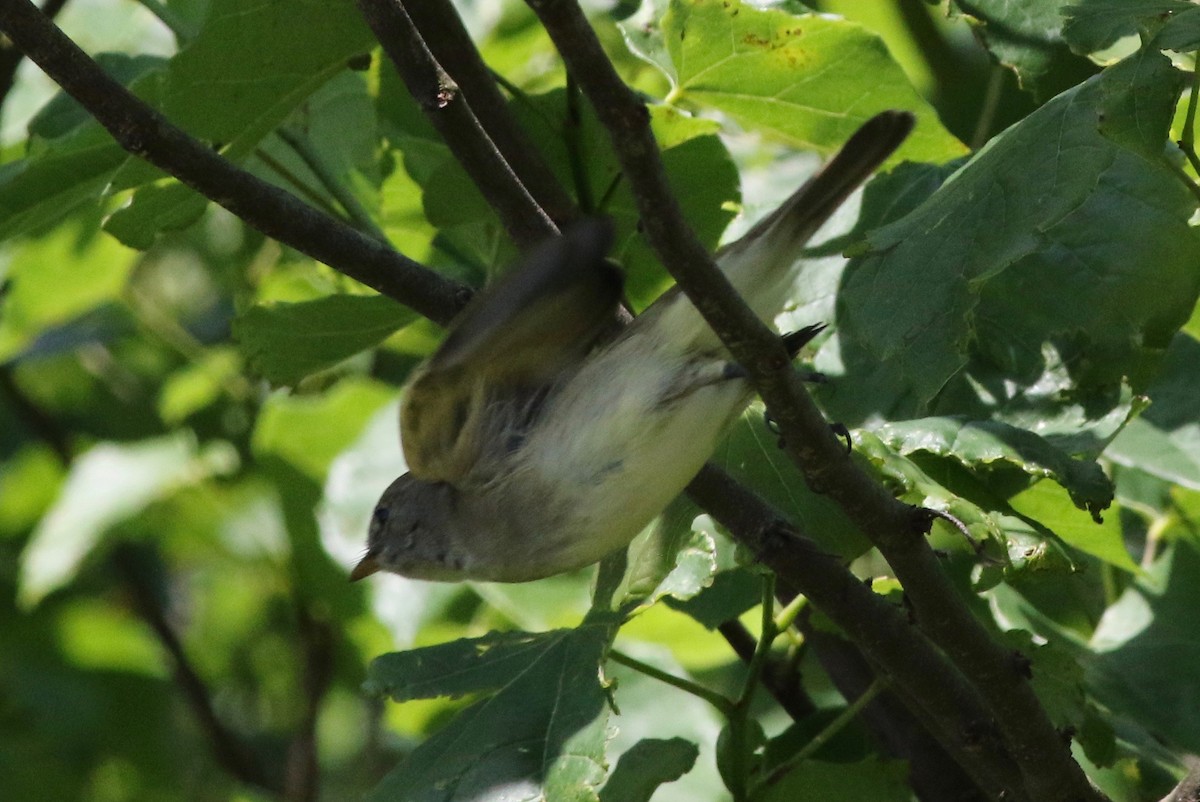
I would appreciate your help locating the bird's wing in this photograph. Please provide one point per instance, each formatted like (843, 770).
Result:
(512, 340)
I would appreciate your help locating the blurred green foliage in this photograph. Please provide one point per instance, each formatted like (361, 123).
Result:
(195, 421)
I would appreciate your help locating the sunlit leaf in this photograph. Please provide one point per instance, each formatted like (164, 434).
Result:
(108, 484)
(309, 431)
(1044, 503)
(808, 80)
(541, 731)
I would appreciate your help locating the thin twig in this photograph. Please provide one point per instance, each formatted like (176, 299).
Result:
(991, 103)
(779, 677)
(446, 107)
(896, 529)
(1187, 137)
(826, 734)
(758, 660)
(443, 31)
(145, 133)
(572, 131)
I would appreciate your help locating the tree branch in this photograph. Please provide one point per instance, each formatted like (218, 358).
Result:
(933, 774)
(234, 756)
(952, 710)
(895, 528)
(443, 31)
(448, 109)
(144, 132)
(1188, 789)
(302, 776)
(11, 56)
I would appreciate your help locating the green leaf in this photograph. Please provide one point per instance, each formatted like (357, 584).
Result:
(646, 765)
(285, 342)
(1056, 257)
(42, 189)
(456, 669)
(668, 559)
(1181, 32)
(540, 735)
(28, 486)
(254, 61)
(164, 205)
(72, 160)
(1026, 35)
(1100, 23)
(1145, 645)
(730, 594)
(239, 46)
(807, 80)
(751, 453)
(55, 279)
(644, 38)
(108, 484)
(336, 121)
(1045, 503)
(309, 431)
(980, 445)
(703, 177)
(909, 481)
(1165, 440)
(1057, 677)
(105, 638)
(197, 385)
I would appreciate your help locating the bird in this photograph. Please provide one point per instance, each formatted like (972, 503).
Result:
(538, 443)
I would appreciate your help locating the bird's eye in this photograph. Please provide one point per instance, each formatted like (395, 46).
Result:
(381, 515)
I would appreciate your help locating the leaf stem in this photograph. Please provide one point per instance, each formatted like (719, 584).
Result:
(788, 614)
(740, 748)
(1154, 535)
(1183, 176)
(1187, 137)
(878, 686)
(341, 193)
(987, 113)
(725, 706)
(765, 639)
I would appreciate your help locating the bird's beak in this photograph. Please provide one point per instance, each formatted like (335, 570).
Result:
(366, 566)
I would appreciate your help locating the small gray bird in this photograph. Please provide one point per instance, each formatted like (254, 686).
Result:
(533, 450)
